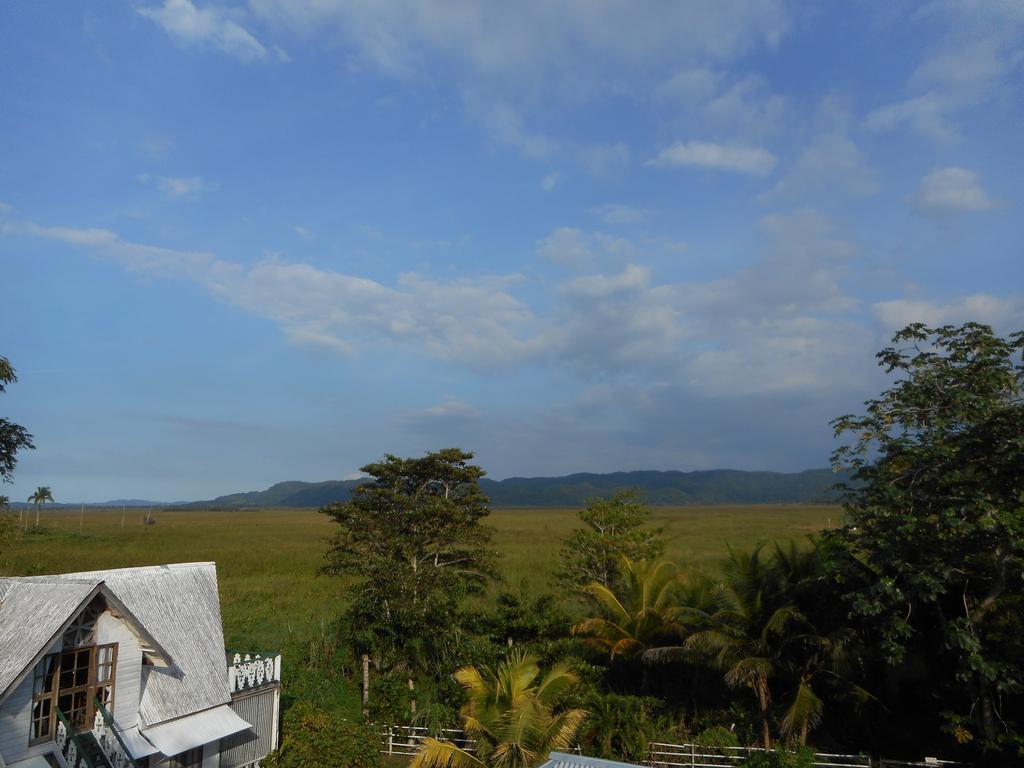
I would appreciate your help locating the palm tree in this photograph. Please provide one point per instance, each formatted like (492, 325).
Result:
(643, 616)
(510, 716)
(40, 497)
(748, 635)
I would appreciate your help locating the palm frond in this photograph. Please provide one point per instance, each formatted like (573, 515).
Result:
(443, 754)
(805, 707)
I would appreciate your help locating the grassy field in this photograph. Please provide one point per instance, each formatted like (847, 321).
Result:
(267, 559)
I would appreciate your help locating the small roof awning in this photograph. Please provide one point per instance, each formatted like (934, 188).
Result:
(136, 743)
(180, 735)
(32, 762)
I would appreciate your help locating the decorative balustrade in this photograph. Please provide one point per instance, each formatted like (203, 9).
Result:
(70, 745)
(253, 671)
(115, 750)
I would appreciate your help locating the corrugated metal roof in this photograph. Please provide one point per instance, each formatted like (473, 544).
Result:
(565, 760)
(177, 736)
(32, 615)
(137, 745)
(178, 606)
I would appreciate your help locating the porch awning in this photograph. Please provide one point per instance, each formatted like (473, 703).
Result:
(180, 735)
(137, 744)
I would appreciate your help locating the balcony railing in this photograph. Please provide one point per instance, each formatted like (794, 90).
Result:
(72, 745)
(253, 671)
(115, 750)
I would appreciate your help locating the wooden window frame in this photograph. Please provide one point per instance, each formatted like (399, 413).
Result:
(47, 689)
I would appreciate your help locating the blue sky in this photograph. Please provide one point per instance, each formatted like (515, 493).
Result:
(255, 241)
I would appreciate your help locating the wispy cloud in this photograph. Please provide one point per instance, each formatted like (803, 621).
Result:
(212, 27)
(621, 213)
(950, 191)
(176, 186)
(552, 180)
(972, 62)
(786, 323)
(706, 154)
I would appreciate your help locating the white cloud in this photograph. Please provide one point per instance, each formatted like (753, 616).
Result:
(176, 186)
(952, 190)
(831, 161)
(1001, 313)
(574, 248)
(620, 213)
(552, 180)
(475, 323)
(213, 27)
(975, 59)
(786, 324)
(514, 64)
(304, 233)
(705, 154)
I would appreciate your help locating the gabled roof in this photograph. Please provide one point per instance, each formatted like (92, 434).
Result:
(177, 606)
(32, 616)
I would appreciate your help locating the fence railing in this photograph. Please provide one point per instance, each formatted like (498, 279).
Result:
(252, 671)
(662, 755)
(114, 748)
(71, 746)
(406, 739)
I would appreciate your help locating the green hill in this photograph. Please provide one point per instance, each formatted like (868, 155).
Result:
(719, 486)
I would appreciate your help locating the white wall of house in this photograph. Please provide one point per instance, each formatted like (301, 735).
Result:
(16, 720)
(128, 676)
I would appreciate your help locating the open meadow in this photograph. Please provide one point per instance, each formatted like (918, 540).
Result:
(267, 559)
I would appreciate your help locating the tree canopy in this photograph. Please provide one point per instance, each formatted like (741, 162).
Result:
(932, 555)
(414, 540)
(612, 529)
(13, 437)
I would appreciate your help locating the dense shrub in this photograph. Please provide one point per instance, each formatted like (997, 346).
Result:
(717, 736)
(801, 757)
(314, 738)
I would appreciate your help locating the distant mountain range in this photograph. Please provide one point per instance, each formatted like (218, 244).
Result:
(720, 486)
(717, 486)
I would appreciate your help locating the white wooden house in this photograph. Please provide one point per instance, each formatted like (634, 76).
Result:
(127, 669)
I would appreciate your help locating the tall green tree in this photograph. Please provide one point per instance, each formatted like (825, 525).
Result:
(640, 615)
(13, 437)
(511, 714)
(414, 541)
(612, 529)
(39, 498)
(749, 634)
(933, 552)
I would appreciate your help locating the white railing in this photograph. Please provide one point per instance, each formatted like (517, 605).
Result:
(406, 739)
(252, 671)
(694, 756)
(663, 755)
(110, 742)
(67, 744)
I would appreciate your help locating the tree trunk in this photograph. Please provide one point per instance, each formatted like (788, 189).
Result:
(38, 507)
(366, 685)
(412, 699)
(762, 700)
(803, 733)
(988, 721)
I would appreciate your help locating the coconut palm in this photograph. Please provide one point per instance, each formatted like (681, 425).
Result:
(510, 715)
(40, 497)
(748, 636)
(644, 615)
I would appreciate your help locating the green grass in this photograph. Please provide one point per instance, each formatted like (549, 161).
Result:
(271, 597)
